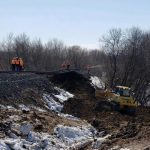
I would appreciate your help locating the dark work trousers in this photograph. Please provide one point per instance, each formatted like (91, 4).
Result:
(13, 67)
(68, 66)
(21, 68)
(17, 68)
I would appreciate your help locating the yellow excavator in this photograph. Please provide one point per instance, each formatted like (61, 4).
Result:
(120, 98)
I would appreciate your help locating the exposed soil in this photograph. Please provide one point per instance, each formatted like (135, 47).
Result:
(41, 121)
(21, 88)
(28, 89)
(83, 103)
(124, 128)
(72, 81)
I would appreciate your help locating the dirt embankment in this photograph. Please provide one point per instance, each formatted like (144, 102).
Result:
(82, 105)
(28, 89)
(41, 121)
(21, 88)
(124, 129)
(32, 117)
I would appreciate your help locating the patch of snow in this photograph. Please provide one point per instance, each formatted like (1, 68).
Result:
(118, 148)
(28, 108)
(63, 95)
(10, 107)
(54, 105)
(2, 106)
(68, 116)
(39, 109)
(97, 144)
(71, 135)
(12, 135)
(26, 128)
(33, 137)
(51, 103)
(97, 82)
(3, 146)
(16, 144)
(23, 107)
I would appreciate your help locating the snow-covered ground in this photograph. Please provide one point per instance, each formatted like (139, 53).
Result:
(68, 116)
(97, 82)
(55, 102)
(51, 104)
(63, 95)
(63, 138)
(117, 148)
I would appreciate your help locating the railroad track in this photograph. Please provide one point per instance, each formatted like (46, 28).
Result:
(46, 72)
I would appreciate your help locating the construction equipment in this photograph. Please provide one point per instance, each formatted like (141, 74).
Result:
(120, 98)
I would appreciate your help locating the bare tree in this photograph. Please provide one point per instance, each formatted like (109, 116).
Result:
(112, 46)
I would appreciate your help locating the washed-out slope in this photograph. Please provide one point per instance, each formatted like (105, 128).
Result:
(32, 89)
(124, 128)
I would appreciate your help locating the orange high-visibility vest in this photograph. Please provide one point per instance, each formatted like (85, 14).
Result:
(17, 62)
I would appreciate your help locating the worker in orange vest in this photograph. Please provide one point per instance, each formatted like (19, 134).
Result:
(67, 65)
(17, 63)
(63, 65)
(13, 65)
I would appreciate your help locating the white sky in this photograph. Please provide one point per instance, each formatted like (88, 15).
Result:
(76, 22)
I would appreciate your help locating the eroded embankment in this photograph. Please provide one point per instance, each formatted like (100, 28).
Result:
(124, 128)
(31, 117)
(39, 106)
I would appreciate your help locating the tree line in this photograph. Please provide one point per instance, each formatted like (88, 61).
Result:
(46, 57)
(128, 60)
(122, 59)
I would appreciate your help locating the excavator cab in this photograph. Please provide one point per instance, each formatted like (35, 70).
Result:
(120, 98)
(124, 99)
(122, 91)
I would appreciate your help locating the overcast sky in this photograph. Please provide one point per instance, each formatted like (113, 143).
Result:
(76, 22)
